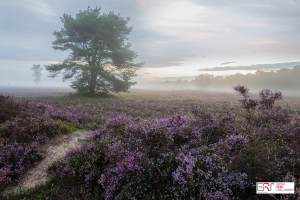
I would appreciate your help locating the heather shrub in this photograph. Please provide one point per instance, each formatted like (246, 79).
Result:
(69, 115)
(198, 173)
(201, 156)
(20, 141)
(35, 128)
(288, 159)
(255, 161)
(117, 124)
(155, 182)
(146, 135)
(9, 108)
(213, 128)
(266, 119)
(149, 137)
(80, 119)
(271, 150)
(80, 170)
(15, 159)
(181, 129)
(21, 138)
(114, 179)
(136, 141)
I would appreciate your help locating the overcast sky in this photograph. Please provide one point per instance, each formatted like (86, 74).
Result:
(174, 38)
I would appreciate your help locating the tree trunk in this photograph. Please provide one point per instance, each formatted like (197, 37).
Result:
(93, 82)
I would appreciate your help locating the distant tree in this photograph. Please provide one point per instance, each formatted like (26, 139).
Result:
(100, 60)
(296, 68)
(218, 78)
(204, 80)
(284, 71)
(37, 73)
(259, 72)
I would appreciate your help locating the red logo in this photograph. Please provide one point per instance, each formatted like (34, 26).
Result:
(267, 186)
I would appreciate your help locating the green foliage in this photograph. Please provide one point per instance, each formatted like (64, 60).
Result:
(191, 115)
(100, 61)
(83, 140)
(70, 128)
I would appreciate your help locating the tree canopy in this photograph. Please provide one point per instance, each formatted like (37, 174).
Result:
(100, 61)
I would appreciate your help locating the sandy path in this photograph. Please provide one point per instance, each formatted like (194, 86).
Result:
(56, 149)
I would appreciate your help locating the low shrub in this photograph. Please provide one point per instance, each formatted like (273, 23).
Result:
(15, 159)
(208, 156)
(10, 108)
(78, 173)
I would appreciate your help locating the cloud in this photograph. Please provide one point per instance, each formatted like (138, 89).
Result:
(28, 35)
(165, 33)
(39, 7)
(225, 63)
(147, 73)
(280, 13)
(158, 49)
(163, 61)
(18, 22)
(191, 55)
(259, 24)
(265, 42)
(267, 67)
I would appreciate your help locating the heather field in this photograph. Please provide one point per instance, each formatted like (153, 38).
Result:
(152, 144)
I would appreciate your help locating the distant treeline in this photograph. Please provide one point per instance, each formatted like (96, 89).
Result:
(177, 83)
(288, 79)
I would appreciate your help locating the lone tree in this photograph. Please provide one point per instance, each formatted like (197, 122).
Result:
(100, 61)
(37, 73)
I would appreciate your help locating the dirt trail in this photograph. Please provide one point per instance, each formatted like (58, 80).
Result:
(56, 148)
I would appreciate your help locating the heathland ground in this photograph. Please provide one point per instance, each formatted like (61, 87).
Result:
(147, 144)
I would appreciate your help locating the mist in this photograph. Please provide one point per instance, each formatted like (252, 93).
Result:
(177, 40)
(284, 80)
